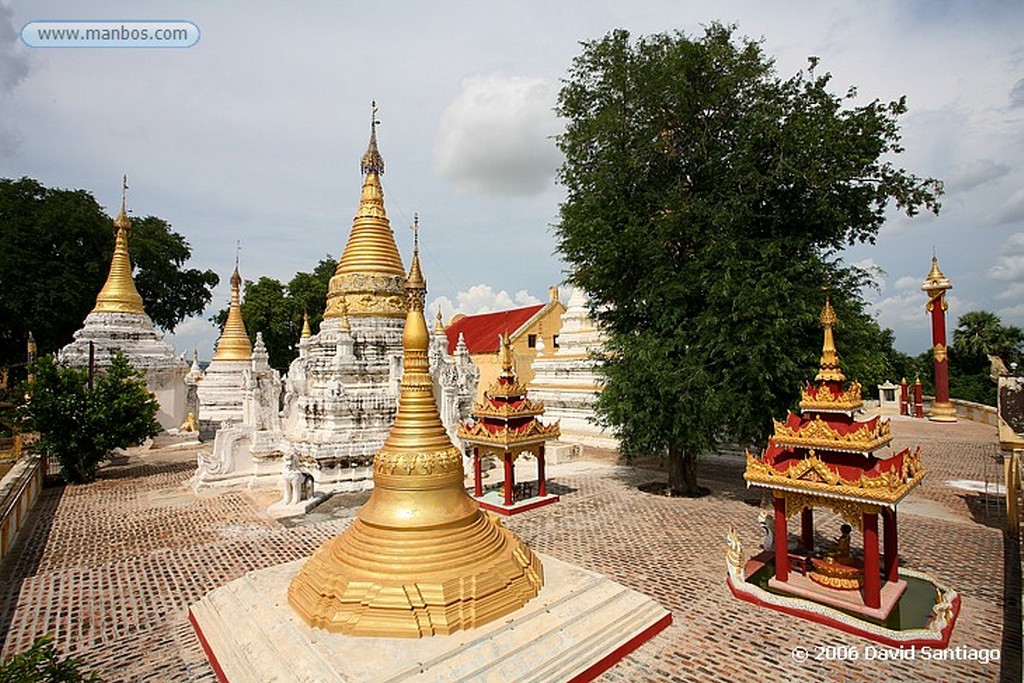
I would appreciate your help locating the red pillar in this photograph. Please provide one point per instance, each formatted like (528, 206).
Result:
(781, 540)
(904, 398)
(918, 399)
(872, 574)
(509, 478)
(807, 529)
(892, 571)
(478, 475)
(935, 286)
(542, 485)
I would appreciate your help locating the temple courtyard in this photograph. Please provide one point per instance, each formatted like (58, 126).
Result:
(110, 568)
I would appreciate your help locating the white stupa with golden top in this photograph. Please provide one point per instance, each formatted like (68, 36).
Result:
(119, 322)
(421, 558)
(341, 392)
(220, 387)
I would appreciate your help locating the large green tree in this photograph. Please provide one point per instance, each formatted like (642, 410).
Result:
(708, 200)
(55, 256)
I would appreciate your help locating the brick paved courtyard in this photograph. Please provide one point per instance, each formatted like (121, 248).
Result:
(111, 567)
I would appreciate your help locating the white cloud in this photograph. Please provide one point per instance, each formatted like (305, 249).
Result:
(495, 137)
(1012, 210)
(482, 299)
(875, 272)
(1009, 265)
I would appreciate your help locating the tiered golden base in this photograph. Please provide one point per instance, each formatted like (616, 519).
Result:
(374, 581)
(942, 412)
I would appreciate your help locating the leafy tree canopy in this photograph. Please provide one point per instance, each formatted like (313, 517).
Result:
(56, 254)
(707, 202)
(276, 310)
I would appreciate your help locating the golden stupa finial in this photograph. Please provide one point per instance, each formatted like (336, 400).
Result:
(935, 283)
(421, 558)
(372, 161)
(119, 294)
(439, 322)
(828, 369)
(415, 279)
(306, 332)
(234, 341)
(370, 276)
(505, 355)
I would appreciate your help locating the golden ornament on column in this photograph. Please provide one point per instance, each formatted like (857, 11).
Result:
(421, 558)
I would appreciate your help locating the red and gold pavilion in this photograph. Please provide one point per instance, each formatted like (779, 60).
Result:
(505, 424)
(826, 458)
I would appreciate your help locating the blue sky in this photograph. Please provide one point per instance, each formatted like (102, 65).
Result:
(255, 133)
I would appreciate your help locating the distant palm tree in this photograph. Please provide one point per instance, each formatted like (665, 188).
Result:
(981, 333)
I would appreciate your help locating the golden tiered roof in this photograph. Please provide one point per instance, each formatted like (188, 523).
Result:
(828, 394)
(813, 477)
(817, 433)
(507, 417)
(119, 294)
(935, 282)
(420, 559)
(234, 341)
(369, 280)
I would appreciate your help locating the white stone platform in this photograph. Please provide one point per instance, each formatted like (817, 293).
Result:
(579, 625)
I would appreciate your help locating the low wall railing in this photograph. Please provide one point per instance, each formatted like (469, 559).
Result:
(19, 490)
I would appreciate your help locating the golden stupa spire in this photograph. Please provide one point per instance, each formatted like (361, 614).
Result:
(828, 369)
(119, 294)
(420, 559)
(935, 283)
(306, 332)
(234, 341)
(438, 322)
(370, 276)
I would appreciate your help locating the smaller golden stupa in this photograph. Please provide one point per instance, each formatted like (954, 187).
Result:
(421, 558)
(119, 294)
(234, 341)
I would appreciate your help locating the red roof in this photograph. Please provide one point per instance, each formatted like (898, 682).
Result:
(481, 331)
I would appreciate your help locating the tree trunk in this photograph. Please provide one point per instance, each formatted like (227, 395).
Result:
(682, 474)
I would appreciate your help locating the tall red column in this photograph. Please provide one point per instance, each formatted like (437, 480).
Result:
(478, 475)
(807, 529)
(918, 399)
(872, 573)
(935, 286)
(904, 398)
(542, 485)
(892, 557)
(509, 478)
(781, 540)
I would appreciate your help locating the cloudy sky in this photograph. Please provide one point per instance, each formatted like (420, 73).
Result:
(255, 133)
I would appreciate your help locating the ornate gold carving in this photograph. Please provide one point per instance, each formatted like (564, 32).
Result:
(425, 464)
(523, 408)
(534, 431)
(940, 353)
(819, 434)
(828, 370)
(824, 484)
(821, 398)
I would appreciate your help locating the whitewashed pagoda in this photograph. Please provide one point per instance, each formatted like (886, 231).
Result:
(340, 395)
(119, 322)
(566, 379)
(220, 386)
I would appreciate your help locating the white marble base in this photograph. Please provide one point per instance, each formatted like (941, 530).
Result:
(579, 625)
(279, 510)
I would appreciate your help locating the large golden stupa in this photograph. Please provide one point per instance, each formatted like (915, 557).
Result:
(421, 558)
(370, 278)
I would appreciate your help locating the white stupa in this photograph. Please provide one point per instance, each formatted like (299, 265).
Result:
(119, 322)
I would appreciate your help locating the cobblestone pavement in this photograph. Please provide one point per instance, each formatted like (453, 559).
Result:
(111, 567)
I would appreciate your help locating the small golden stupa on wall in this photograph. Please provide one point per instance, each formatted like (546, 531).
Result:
(421, 558)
